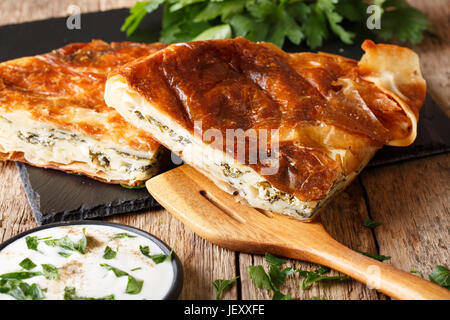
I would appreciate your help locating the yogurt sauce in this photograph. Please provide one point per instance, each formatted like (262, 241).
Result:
(83, 271)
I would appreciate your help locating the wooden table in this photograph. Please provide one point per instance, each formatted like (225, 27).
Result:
(411, 199)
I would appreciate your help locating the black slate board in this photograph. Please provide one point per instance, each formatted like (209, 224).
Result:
(57, 196)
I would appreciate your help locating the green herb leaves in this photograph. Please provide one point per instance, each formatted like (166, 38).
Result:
(21, 275)
(142, 186)
(50, 272)
(315, 276)
(71, 294)
(21, 290)
(259, 277)
(66, 243)
(276, 277)
(27, 264)
(64, 254)
(222, 285)
(273, 280)
(82, 243)
(109, 253)
(32, 242)
(122, 235)
(222, 31)
(275, 20)
(137, 13)
(369, 223)
(403, 21)
(157, 258)
(375, 256)
(134, 286)
(119, 273)
(418, 273)
(441, 276)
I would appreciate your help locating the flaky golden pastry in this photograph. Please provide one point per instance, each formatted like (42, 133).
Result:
(52, 114)
(331, 113)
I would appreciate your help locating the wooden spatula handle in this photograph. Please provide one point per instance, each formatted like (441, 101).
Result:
(380, 276)
(217, 217)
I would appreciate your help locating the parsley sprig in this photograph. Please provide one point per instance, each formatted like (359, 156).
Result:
(276, 277)
(70, 293)
(50, 272)
(122, 235)
(27, 264)
(272, 280)
(157, 258)
(440, 276)
(378, 257)
(67, 244)
(33, 242)
(309, 21)
(20, 290)
(109, 253)
(222, 285)
(369, 223)
(134, 286)
(317, 275)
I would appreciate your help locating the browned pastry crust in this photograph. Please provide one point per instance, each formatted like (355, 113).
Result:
(52, 86)
(64, 89)
(320, 102)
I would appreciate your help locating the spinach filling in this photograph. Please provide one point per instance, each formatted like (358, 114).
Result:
(129, 155)
(48, 139)
(34, 138)
(99, 159)
(229, 171)
(163, 128)
(271, 195)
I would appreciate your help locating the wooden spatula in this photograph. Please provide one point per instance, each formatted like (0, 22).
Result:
(217, 217)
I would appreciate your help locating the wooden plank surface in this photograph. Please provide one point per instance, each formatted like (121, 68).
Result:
(411, 199)
(434, 51)
(414, 209)
(343, 220)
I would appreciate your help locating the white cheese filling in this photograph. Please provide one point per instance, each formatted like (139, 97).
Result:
(43, 144)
